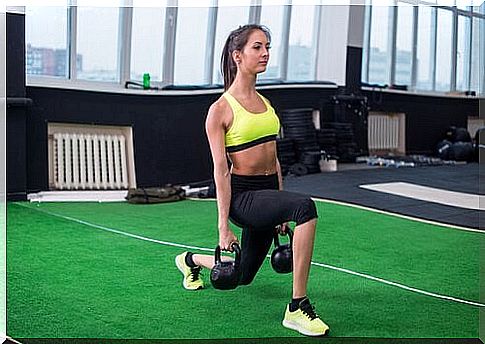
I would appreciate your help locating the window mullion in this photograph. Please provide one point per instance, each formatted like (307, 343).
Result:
(316, 39)
(168, 62)
(72, 40)
(285, 42)
(481, 59)
(367, 42)
(124, 43)
(454, 49)
(434, 43)
(414, 61)
(255, 12)
(392, 42)
(211, 41)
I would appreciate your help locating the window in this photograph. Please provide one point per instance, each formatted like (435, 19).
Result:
(425, 49)
(444, 54)
(380, 54)
(46, 41)
(301, 44)
(147, 42)
(112, 44)
(97, 43)
(272, 17)
(404, 44)
(443, 50)
(463, 53)
(190, 46)
(228, 19)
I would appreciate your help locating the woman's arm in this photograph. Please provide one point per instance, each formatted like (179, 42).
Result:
(283, 227)
(280, 176)
(215, 133)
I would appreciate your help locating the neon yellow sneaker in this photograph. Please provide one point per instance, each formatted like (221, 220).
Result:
(191, 279)
(305, 320)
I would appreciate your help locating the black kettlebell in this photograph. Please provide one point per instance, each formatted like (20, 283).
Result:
(225, 275)
(282, 256)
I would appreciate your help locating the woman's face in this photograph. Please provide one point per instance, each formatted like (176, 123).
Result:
(254, 56)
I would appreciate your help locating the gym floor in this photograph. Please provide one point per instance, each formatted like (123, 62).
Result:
(344, 186)
(106, 270)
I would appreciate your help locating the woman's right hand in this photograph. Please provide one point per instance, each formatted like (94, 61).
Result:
(226, 239)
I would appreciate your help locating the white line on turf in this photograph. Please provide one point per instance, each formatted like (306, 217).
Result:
(417, 219)
(377, 279)
(467, 229)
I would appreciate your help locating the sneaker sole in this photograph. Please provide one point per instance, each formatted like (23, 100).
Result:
(292, 326)
(181, 269)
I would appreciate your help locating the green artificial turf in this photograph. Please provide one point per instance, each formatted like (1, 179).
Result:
(68, 279)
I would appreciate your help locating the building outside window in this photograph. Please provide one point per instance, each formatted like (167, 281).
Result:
(46, 41)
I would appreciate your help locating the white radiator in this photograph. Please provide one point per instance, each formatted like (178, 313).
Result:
(386, 132)
(89, 161)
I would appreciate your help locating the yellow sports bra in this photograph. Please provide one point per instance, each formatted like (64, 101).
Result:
(250, 129)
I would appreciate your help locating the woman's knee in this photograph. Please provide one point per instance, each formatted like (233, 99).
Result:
(306, 211)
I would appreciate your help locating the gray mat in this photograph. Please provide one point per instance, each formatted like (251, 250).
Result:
(344, 186)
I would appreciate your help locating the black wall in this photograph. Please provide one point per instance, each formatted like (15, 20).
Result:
(168, 131)
(353, 69)
(427, 118)
(15, 55)
(17, 108)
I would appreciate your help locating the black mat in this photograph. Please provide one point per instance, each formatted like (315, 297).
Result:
(344, 186)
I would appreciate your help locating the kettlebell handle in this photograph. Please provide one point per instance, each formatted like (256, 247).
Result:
(237, 252)
(288, 232)
(235, 248)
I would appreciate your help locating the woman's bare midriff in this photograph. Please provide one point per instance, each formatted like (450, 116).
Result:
(257, 160)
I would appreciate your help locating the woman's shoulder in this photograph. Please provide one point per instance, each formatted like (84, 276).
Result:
(220, 111)
(219, 107)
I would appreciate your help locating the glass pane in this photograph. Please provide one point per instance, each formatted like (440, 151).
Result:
(404, 45)
(443, 50)
(463, 53)
(464, 4)
(425, 49)
(228, 19)
(272, 17)
(301, 44)
(190, 46)
(97, 43)
(46, 41)
(380, 55)
(147, 43)
(475, 58)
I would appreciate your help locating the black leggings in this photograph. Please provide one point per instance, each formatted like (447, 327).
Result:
(257, 206)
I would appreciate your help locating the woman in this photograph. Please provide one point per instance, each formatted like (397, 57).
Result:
(243, 126)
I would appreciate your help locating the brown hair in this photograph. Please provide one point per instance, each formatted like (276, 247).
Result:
(236, 40)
